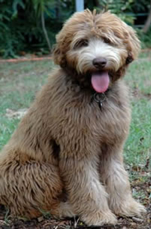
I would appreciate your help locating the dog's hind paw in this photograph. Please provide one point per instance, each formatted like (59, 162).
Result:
(130, 208)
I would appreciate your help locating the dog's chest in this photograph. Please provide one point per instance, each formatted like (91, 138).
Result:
(110, 124)
(80, 125)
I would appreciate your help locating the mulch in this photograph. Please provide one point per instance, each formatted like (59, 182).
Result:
(33, 57)
(25, 59)
(46, 222)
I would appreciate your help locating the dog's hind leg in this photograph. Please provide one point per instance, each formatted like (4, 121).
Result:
(31, 188)
(115, 178)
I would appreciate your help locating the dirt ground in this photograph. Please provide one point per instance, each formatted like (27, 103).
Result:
(44, 223)
(141, 186)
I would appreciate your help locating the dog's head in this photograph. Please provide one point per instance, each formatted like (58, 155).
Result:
(96, 46)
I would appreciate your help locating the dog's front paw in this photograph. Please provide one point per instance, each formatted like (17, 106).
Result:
(63, 210)
(99, 218)
(130, 208)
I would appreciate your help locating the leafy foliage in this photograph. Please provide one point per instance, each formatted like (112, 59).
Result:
(31, 25)
(7, 39)
(145, 38)
(21, 27)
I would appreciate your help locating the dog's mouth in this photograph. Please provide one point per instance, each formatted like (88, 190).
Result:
(100, 81)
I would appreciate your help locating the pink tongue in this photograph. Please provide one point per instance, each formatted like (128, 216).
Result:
(100, 81)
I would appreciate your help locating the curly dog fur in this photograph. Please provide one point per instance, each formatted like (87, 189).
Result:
(66, 155)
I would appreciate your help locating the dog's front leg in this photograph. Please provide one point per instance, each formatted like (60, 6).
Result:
(115, 178)
(86, 194)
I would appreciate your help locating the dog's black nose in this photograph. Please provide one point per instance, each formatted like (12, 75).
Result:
(99, 62)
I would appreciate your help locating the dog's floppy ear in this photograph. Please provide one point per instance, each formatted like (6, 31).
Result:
(60, 48)
(58, 57)
(56, 54)
(63, 40)
(133, 45)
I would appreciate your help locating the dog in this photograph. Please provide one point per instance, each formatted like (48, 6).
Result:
(66, 155)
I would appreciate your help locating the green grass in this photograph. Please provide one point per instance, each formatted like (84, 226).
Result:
(19, 83)
(138, 145)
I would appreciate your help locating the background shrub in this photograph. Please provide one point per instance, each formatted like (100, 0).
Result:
(31, 25)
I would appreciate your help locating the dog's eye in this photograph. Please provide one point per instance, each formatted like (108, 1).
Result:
(81, 43)
(106, 40)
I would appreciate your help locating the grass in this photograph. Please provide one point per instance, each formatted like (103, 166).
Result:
(19, 83)
(138, 145)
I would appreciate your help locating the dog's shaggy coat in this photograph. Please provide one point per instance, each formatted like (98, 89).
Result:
(66, 155)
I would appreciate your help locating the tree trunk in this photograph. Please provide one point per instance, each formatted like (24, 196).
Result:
(148, 22)
(45, 31)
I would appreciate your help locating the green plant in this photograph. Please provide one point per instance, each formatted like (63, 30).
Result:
(145, 38)
(118, 7)
(30, 26)
(8, 34)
